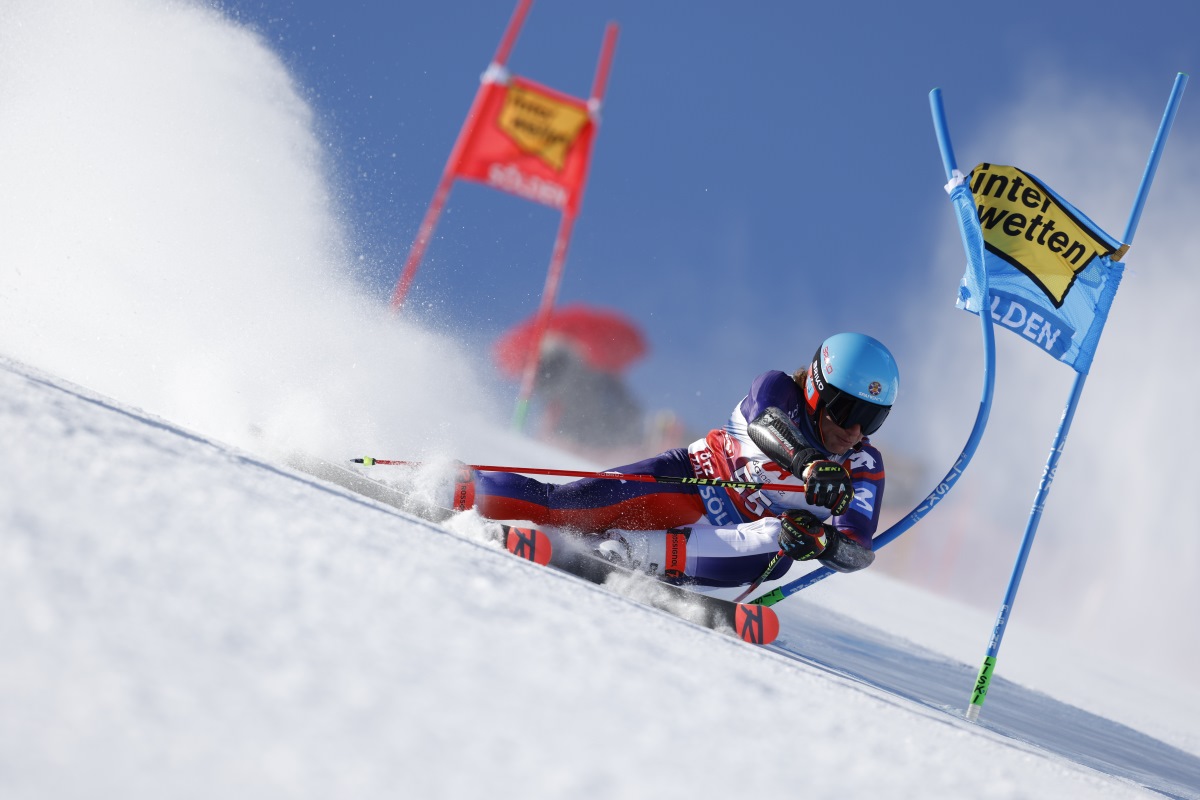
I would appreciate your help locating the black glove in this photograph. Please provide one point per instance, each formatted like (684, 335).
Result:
(828, 484)
(801, 535)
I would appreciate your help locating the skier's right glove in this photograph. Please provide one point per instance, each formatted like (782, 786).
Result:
(801, 535)
(828, 484)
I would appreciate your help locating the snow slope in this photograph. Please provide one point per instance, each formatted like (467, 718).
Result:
(187, 619)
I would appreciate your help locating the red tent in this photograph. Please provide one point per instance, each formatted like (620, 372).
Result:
(605, 340)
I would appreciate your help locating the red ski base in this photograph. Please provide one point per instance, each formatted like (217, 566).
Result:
(529, 544)
(753, 625)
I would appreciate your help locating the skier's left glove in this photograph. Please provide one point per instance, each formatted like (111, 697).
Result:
(801, 535)
(828, 484)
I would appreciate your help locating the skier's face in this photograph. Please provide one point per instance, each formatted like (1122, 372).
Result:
(836, 438)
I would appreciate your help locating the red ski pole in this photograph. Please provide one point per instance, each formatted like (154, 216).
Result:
(616, 476)
(758, 581)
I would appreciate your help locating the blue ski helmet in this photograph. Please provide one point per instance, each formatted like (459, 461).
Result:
(855, 379)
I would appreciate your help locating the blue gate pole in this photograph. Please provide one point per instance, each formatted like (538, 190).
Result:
(973, 243)
(983, 680)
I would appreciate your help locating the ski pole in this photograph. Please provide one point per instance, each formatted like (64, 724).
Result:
(616, 476)
(758, 581)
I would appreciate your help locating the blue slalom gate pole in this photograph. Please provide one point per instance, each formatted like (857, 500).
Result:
(1160, 141)
(984, 678)
(972, 238)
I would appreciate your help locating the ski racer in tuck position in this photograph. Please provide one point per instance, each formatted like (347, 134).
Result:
(809, 427)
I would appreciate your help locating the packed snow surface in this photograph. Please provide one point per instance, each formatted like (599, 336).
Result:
(184, 618)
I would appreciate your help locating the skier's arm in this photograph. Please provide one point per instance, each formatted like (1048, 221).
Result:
(852, 548)
(778, 437)
(843, 554)
(828, 482)
(802, 536)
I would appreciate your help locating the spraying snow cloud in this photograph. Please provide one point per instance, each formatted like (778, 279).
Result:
(171, 238)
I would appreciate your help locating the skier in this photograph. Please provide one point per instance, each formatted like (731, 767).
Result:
(807, 428)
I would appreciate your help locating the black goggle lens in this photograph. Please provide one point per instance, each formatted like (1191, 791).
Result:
(848, 411)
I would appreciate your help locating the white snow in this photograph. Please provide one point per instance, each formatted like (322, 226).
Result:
(182, 616)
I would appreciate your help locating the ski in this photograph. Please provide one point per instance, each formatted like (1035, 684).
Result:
(747, 622)
(756, 624)
(527, 543)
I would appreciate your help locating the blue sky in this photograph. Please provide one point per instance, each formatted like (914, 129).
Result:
(765, 174)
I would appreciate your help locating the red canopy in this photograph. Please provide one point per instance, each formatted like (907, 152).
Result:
(605, 340)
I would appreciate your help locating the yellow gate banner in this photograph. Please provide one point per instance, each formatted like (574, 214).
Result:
(1030, 227)
(530, 141)
(1051, 271)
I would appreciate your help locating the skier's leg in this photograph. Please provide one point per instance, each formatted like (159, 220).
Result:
(733, 555)
(594, 505)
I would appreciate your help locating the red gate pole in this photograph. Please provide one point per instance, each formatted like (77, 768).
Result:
(562, 240)
(495, 72)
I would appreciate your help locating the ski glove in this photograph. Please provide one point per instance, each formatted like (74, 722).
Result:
(801, 535)
(828, 484)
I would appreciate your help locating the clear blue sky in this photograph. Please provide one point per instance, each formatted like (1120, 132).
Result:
(766, 173)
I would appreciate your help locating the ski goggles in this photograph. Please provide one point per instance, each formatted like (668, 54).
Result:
(847, 410)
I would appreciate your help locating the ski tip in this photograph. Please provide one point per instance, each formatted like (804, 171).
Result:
(756, 624)
(529, 544)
